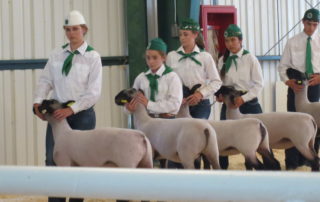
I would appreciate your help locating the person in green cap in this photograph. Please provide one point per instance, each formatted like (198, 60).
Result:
(242, 70)
(195, 66)
(161, 85)
(73, 72)
(302, 53)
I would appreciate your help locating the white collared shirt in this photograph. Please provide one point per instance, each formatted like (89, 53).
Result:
(83, 83)
(294, 54)
(246, 77)
(169, 96)
(191, 73)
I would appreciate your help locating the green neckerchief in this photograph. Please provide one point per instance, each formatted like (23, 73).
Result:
(233, 58)
(68, 61)
(153, 82)
(189, 55)
(309, 68)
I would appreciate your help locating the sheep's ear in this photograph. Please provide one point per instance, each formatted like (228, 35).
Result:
(295, 74)
(241, 92)
(186, 91)
(194, 88)
(141, 91)
(224, 90)
(68, 104)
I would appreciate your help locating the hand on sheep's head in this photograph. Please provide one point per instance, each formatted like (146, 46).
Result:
(297, 79)
(230, 95)
(125, 96)
(58, 110)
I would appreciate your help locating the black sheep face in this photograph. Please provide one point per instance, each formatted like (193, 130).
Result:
(300, 77)
(125, 96)
(49, 106)
(187, 92)
(229, 92)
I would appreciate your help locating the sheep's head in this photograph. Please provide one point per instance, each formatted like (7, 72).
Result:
(49, 106)
(125, 96)
(187, 92)
(300, 77)
(229, 93)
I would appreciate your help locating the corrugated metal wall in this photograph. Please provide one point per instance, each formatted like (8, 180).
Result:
(30, 29)
(264, 23)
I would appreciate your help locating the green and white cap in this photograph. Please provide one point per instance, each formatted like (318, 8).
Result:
(189, 24)
(74, 18)
(233, 30)
(312, 14)
(157, 44)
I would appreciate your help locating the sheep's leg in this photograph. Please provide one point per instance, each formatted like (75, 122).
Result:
(187, 161)
(251, 161)
(270, 163)
(310, 155)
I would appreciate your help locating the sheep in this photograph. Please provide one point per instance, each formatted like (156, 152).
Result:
(246, 136)
(105, 147)
(302, 104)
(179, 140)
(286, 129)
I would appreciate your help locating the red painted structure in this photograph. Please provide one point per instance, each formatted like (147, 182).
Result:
(218, 17)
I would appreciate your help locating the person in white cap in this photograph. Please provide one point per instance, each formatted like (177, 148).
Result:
(73, 72)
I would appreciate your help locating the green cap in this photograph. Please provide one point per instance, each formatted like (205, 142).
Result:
(189, 24)
(232, 30)
(312, 14)
(157, 44)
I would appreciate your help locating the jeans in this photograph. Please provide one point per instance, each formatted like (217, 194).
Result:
(201, 111)
(250, 107)
(84, 120)
(293, 158)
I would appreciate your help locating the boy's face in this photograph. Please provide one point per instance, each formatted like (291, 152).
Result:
(154, 60)
(310, 27)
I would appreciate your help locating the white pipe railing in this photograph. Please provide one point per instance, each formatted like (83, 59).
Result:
(156, 184)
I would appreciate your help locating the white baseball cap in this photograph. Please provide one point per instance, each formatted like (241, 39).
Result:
(74, 18)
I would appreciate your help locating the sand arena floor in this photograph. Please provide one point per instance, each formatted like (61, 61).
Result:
(236, 163)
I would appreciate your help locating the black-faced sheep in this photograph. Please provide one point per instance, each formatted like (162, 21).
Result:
(179, 140)
(105, 147)
(286, 129)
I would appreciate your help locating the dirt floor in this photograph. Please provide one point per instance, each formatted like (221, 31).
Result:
(236, 163)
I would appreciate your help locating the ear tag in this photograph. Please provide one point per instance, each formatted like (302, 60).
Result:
(43, 111)
(124, 101)
(70, 104)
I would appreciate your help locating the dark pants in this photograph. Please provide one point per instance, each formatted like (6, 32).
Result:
(84, 120)
(200, 111)
(250, 107)
(293, 157)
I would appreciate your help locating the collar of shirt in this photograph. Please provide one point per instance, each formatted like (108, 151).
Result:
(82, 49)
(195, 49)
(159, 72)
(305, 36)
(239, 53)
